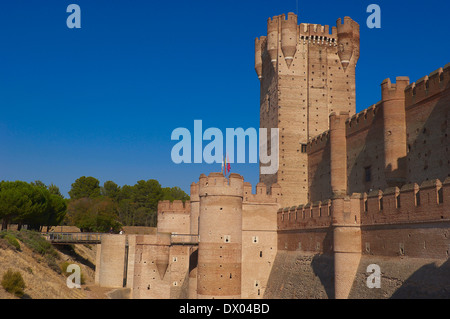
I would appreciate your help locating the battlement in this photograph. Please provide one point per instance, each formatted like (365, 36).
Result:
(396, 90)
(284, 32)
(429, 202)
(362, 120)
(262, 194)
(348, 25)
(318, 142)
(317, 34)
(310, 215)
(175, 206)
(217, 184)
(427, 86)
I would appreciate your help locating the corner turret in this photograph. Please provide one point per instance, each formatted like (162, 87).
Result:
(348, 41)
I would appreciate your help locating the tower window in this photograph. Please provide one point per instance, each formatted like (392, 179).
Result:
(367, 174)
(304, 148)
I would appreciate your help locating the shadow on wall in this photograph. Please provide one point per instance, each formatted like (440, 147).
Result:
(429, 152)
(367, 170)
(428, 282)
(193, 260)
(320, 187)
(323, 267)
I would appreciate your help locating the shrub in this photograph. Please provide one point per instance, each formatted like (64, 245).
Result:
(13, 283)
(37, 243)
(10, 239)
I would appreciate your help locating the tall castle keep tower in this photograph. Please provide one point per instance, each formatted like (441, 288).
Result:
(305, 74)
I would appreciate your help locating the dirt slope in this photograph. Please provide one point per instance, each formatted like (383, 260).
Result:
(42, 282)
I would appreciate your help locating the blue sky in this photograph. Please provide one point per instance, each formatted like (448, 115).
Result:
(103, 100)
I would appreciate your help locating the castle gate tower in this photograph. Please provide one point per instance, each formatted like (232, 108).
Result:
(305, 73)
(220, 241)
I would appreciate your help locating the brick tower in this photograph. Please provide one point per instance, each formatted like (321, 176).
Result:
(305, 73)
(220, 241)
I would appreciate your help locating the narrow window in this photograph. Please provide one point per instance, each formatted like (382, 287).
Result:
(440, 196)
(367, 174)
(304, 148)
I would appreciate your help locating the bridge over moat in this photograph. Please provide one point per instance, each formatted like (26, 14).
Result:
(65, 238)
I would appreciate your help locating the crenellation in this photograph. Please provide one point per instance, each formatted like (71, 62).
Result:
(410, 204)
(261, 194)
(362, 120)
(307, 216)
(318, 142)
(176, 205)
(427, 86)
(391, 91)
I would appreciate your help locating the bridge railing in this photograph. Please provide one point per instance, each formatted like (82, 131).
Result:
(183, 239)
(75, 237)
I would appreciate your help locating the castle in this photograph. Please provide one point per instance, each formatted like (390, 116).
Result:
(352, 190)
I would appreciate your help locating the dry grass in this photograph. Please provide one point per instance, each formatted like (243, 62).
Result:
(41, 281)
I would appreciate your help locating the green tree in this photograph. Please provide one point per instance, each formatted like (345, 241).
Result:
(56, 211)
(94, 214)
(35, 215)
(50, 213)
(110, 189)
(54, 190)
(174, 193)
(85, 187)
(15, 201)
(147, 194)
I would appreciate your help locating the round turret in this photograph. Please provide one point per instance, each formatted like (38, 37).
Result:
(348, 41)
(220, 241)
(289, 37)
(272, 39)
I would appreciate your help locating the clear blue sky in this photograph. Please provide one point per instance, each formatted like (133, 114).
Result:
(103, 100)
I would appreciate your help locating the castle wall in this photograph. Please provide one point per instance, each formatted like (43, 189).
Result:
(319, 172)
(301, 275)
(174, 217)
(157, 269)
(259, 238)
(427, 127)
(305, 228)
(403, 277)
(401, 139)
(389, 228)
(365, 151)
(364, 148)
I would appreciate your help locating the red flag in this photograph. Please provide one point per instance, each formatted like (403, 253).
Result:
(228, 165)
